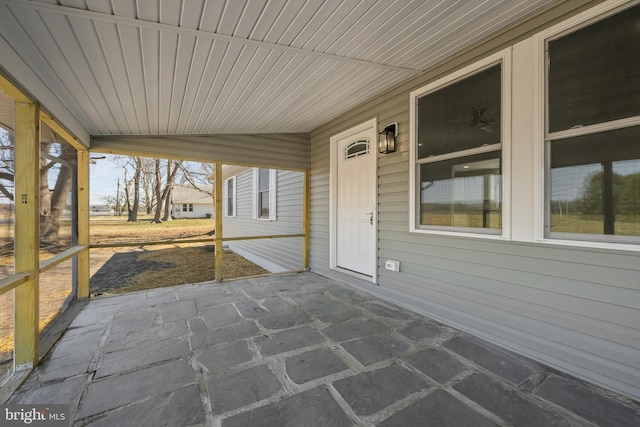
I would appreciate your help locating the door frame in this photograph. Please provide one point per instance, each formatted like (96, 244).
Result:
(371, 127)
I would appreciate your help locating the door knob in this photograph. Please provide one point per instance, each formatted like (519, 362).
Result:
(370, 217)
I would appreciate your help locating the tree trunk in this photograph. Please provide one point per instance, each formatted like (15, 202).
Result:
(167, 206)
(46, 222)
(133, 210)
(167, 195)
(53, 203)
(158, 192)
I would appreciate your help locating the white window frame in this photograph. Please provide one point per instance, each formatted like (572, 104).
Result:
(225, 200)
(582, 20)
(273, 175)
(504, 57)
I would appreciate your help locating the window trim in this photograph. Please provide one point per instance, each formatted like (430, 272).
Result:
(504, 57)
(225, 200)
(272, 194)
(542, 137)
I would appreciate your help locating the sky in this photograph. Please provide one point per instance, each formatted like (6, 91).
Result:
(103, 179)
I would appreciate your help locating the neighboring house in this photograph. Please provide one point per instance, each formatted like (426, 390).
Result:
(264, 202)
(97, 210)
(189, 202)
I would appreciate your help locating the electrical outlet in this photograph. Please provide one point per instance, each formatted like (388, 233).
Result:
(392, 265)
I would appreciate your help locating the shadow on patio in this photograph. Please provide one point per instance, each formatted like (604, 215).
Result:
(296, 350)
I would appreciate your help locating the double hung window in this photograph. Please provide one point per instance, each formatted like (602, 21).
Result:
(264, 189)
(592, 142)
(458, 150)
(229, 203)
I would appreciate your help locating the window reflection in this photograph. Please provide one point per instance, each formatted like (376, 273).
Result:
(595, 184)
(464, 192)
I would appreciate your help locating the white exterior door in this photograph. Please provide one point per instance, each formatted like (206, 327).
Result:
(355, 201)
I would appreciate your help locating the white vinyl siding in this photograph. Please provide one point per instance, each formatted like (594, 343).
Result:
(572, 305)
(276, 255)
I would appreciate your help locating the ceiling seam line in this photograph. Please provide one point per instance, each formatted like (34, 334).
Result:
(199, 33)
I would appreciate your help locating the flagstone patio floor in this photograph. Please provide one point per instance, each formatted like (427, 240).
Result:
(296, 350)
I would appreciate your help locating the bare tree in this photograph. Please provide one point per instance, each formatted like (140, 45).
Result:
(158, 191)
(132, 173)
(135, 206)
(148, 189)
(57, 163)
(167, 198)
(60, 156)
(162, 193)
(7, 172)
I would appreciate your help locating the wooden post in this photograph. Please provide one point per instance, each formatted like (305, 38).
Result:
(27, 234)
(218, 213)
(305, 220)
(83, 223)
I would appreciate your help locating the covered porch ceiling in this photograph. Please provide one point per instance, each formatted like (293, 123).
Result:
(194, 67)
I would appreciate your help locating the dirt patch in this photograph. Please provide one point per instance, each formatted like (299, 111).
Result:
(140, 269)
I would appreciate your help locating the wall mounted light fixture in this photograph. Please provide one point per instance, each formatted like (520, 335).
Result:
(387, 139)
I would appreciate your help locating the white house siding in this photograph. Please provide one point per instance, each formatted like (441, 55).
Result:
(199, 211)
(573, 308)
(275, 255)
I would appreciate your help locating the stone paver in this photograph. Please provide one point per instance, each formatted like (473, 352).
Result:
(313, 364)
(375, 349)
(311, 408)
(202, 337)
(135, 386)
(372, 391)
(438, 409)
(284, 321)
(296, 350)
(436, 363)
(137, 357)
(500, 362)
(588, 403)
(354, 328)
(225, 356)
(420, 329)
(288, 340)
(507, 403)
(242, 388)
(180, 407)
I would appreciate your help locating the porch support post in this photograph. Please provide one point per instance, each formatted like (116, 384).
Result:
(83, 222)
(305, 220)
(218, 213)
(27, 233)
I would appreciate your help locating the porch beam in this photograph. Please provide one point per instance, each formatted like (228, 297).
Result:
(218, 231)
(62, 132)
(82, 183)
(13, 91)
(27, 234)
(306, 197)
